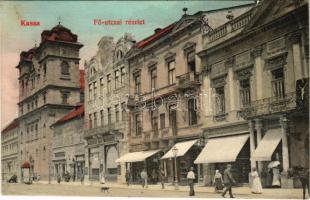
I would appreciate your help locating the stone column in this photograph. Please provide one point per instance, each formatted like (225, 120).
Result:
(259, 67)
(252, 144)
(258, 127)
(285, 155)
(298, 66)
(231, 84)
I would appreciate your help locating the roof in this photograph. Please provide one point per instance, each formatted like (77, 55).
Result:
(155, 36)
(12, 125)
(75, 113)
(82, 79)
(59, 33)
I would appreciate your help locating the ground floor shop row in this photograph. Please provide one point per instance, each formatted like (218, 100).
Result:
(272, 145)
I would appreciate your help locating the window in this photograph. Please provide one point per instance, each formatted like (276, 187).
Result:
(137, 84)
(36, 102)
(171, 72)
(101, 86)
(138, 128)
(28, 107)
(219, 101)
(192, 112)
(278, 83)
(117, 113)
(90, 121)
(153, 78)
(64, 97)
(44, 70)
(44, 98)
(119, 55)
(95, 119)
(95, 90)
(191, 64)
(116, 80)
(64, 68)
(101, 117)
(44, 153)
(245, 93)
(21, 110)
(21, 137)
(154, 120)
(37, 152)
(90, 86)
(36, 130)
(109, 83)
(109, 116)
(123, 111)
(44, 131)
(123, 73)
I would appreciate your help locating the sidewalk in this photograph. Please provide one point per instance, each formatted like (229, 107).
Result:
(169, 187)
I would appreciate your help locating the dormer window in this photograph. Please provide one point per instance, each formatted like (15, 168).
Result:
(119, 55)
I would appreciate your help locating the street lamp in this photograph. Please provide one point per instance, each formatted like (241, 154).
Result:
(175, 153)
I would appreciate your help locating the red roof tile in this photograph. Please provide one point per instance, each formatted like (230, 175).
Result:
(76, 112)
(11, 126)
(155, 36)
(82, 79)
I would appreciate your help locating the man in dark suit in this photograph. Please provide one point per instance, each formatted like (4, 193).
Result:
(228, 181)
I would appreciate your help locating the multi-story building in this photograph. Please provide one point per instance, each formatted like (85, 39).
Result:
(165, 96)
(49, 87)
(105, 109)
(256, 78)
(9, 150)
(68, 145)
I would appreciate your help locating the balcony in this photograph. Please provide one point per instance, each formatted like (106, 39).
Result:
(272, 105)
(99, 130)
(188, 80)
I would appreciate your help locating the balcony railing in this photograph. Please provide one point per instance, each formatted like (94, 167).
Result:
(190, 79)
(270, 105)
(99, 130)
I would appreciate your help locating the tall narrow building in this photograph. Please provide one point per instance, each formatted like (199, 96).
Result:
(49, 87)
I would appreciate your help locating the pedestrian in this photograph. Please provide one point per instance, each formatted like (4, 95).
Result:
(82, 178)
(162, 178)
(218, 181)
(144, 178)
(127, 176)
(102, 179)
(276, 177)
(38, 177)
(228, 181)
(190, 178)
(154, 176)
(256, 185)
(58, 179)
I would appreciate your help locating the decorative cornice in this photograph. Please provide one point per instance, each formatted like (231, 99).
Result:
(230, 62)
(169, 56)
(295, 37)
(257, 51)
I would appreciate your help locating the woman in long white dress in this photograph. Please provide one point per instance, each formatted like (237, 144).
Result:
(256, 186)
(276, 177)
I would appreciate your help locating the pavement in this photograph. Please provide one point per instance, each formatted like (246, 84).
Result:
(122, 190)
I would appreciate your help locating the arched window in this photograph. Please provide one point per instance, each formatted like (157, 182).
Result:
(119, 55)
(44, 129)
(64, 68)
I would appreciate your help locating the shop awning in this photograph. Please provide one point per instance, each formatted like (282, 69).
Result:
(222, 149)
(182, 147)
(267, 145)
(136, 156)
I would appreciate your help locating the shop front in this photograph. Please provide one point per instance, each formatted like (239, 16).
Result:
(230, 149)
(179, 159)
(80, 166)
(137, 161)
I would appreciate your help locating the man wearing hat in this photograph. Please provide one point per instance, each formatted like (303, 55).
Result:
(190, 178)
(228, 181)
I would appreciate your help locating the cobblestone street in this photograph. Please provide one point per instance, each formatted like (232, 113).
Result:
(116, 190)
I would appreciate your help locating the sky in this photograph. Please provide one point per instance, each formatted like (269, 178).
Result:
(78, 16)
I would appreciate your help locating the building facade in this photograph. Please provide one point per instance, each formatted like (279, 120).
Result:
(9, 150)
(256, 78)
(68, 145)
(166, 108)
(49, 87)
(106, 109)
